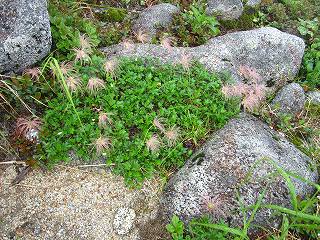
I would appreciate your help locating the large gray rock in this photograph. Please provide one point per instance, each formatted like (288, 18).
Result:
(314, 97)
(25, 36)
(274, 55)
(235, 160)
(290, 99)
(150, 19)
(225, 9)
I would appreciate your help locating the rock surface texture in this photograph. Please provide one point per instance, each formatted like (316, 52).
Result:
(274, 55)
(25, 36)
(123, 220)
(156, 16)
(290, 99)
(71, 203)
(234, 161)
(225, 9)
(314, 97)
(253, 3)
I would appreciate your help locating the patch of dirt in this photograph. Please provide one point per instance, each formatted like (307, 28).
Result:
(71, 203)
(154, 229)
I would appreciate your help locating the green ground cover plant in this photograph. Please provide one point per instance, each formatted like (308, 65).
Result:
(150, 112)
(144, 118)
(193, 26)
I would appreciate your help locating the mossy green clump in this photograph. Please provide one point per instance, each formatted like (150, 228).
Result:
(113, 14)
(245, 21)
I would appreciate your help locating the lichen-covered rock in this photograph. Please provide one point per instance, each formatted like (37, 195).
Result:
(25, 36)
(156, 16)
(274, 55)
(237, 161)
(225, 9)
(290, 99)
(314, 97)
(123, 220)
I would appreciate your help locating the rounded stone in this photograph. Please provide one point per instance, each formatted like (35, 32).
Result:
(314, 97)
(25, 36)
(230, 172)
(150, 19)
(289, 100)
(123, 220)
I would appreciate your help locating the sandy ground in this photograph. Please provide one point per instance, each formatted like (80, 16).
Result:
(70, 203)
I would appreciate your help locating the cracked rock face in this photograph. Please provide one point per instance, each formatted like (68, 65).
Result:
(274, 55)
(237, 159)
(290, 99)
(225, 9)
(25, 35)
(150, 19)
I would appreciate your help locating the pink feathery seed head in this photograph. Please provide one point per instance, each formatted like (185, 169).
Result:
(95, 84)
(110, 66)
(81, 55)
(34, 73)
(66, 68)
(167, 42)
(250, 101)
(73, 83)
(85, 43)
(142, 36)
(157, 123)
(260, 91)
(104, 119)
(25, 125)
(128, 44)
(249, 73)
(212, 204)
(172, 134)
(153, 144)
(102, 144)
(185, 61)
(235, 90)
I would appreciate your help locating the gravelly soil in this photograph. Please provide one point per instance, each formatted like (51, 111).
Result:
(69, 203)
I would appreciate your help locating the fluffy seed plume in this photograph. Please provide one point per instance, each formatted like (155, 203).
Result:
(153, 144)
(213, 204)
(185, 61)
(172, 135)
(81, 55)
(104, 120)
(85, 43)
(142, 36)
(102, 144)
(66, 68)
(73, 83)
(34, 73)
(157, 123)
(26, 125)
(252, 93)
(95, 84)
(110, 66)
(235, 90)
(167, 43)
(249, 73)
(128, 44)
